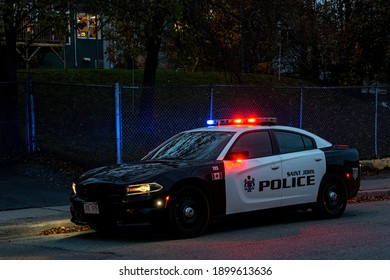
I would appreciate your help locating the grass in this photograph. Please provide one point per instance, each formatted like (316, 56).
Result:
(166, 77)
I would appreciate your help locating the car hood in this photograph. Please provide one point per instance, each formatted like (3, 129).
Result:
(130, 173)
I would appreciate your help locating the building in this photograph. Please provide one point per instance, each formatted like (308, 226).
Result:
(82, 46)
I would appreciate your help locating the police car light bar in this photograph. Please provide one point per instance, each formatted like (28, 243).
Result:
(258, 121)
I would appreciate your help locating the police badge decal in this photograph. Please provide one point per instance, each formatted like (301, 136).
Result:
(249, 184)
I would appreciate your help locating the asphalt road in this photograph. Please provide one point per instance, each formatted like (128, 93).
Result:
(25, 186)
(34, 198)
(361, 234)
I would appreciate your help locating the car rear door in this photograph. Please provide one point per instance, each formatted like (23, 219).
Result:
(251, 172)
(303, 167)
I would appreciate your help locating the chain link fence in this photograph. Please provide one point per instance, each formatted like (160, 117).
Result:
(356, 116)
(76, 122)
(98, 125)
(12, 121)
(152, 115)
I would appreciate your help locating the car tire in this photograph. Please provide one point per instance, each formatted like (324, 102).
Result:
(332, 198)
(188, 212)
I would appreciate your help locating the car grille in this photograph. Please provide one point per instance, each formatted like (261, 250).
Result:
(100, 192)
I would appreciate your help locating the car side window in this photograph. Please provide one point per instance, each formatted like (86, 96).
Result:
(256, 144)
(290, 142)
(309, 143)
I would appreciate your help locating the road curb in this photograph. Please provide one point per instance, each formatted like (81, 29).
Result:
(378, 192)
(32, 228)
(375, 164)
(32, 221)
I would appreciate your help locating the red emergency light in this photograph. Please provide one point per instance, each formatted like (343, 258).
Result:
(240, 121)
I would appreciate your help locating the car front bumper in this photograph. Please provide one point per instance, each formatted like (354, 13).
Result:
(142, 209)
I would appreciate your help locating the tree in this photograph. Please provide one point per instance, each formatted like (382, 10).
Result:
(136, 28)
(9, 132)
(17, 17)
(354, 38)
(195, 33)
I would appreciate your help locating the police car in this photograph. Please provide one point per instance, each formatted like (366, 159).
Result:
(232, 166)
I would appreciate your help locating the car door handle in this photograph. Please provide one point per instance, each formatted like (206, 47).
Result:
(274, 167)
(318, 158)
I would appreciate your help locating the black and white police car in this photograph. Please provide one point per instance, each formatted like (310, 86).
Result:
(230, 167)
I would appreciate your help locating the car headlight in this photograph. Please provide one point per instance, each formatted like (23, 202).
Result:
(74, 187)
(143, 188)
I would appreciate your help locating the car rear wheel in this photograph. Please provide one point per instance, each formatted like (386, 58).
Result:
(332, 198)
(188, 212)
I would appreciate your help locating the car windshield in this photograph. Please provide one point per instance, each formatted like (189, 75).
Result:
(195, 145)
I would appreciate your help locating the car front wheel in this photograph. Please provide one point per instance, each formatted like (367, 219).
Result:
(188, 212)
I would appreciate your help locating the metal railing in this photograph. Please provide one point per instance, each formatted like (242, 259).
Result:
(40, 33)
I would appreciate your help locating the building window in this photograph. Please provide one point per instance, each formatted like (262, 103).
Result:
(87, 26)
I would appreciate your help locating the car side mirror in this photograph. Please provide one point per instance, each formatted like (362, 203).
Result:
(238, 155)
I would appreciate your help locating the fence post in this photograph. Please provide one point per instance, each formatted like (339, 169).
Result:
(301, 109)
(376, 123)
(118, 123)
(30, 116)
(32, 111)
(211, 101)
(27, 115)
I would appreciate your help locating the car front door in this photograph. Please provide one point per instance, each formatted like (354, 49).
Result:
(252, 174)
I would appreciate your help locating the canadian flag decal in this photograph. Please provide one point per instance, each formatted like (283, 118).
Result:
(216, 176)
